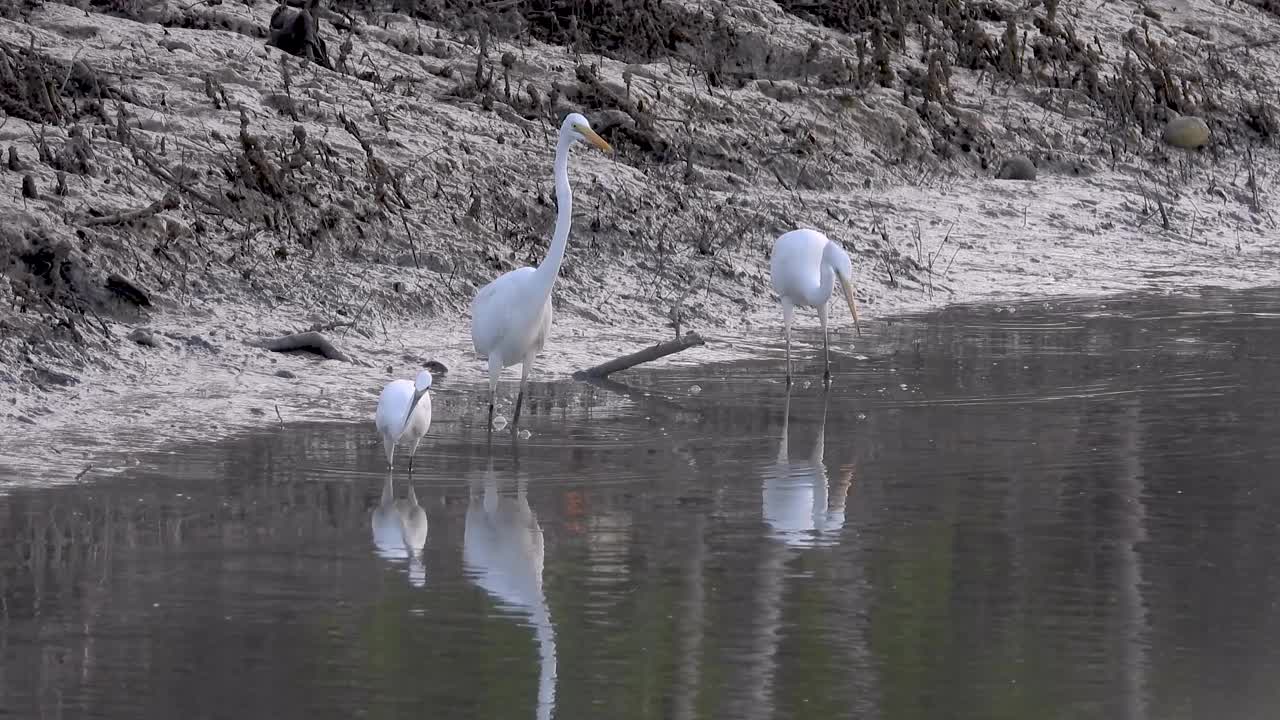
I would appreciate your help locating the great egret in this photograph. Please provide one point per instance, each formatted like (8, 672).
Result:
(404, 413)
(511, 316)
(803, 270)
(400, 529)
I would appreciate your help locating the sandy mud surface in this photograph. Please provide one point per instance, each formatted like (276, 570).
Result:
(177, 188)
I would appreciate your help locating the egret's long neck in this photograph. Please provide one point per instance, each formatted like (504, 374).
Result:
(550, 267)
(826, 281)
(545, 633)
(827, 270)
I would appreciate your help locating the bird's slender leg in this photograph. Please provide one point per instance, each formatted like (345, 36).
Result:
(826, 347)
(524, 378)
(787, 312)
(495, 368)
(413, 450)
(389, 445)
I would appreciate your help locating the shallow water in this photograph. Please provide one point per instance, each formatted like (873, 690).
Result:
(1048, 510)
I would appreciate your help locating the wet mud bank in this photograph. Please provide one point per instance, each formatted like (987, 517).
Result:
(181, 188)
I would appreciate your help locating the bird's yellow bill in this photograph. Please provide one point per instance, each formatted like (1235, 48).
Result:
(853, 304)
(595, 139)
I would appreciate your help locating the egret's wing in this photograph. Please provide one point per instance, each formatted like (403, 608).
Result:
(491, 309)
(795, 266)
(393, 407)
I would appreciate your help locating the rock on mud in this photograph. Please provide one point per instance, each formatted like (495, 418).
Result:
(294, 30)
(1018, 167)
(143, 336)
(1186, 132)
(129, 290)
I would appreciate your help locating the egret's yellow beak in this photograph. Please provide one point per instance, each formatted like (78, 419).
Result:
(847, 285)
(594, 139)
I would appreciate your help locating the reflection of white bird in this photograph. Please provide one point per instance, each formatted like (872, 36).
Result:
(511, 316)
(795, 494)
(404, 413)
(803, 269)
(502, 550)
(400, 529)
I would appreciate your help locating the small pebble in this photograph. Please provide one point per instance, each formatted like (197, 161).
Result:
(524, 434)
(695, 389)
(286, 374)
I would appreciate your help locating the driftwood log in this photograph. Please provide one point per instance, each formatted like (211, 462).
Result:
(312, 342)
(168, 202)
(649, 354)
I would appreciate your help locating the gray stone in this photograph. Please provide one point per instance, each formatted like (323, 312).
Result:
(143, 336)
(1186, 132)
(1018, 167)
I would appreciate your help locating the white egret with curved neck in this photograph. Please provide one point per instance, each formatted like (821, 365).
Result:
(803, 270)
(404, 414)
(511, 316)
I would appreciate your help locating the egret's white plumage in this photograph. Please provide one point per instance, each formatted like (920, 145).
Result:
(511, 316)
(400, 529)
(404, 415)
(804, 268)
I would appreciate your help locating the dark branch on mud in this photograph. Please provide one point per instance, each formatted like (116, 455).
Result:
(159, 171)
(312, 342)
(649, 354)
(168, 202)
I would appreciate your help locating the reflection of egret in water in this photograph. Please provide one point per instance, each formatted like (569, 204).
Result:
(1130, 607)
(502, 550)
(400, 530)
(798, 504)
(799, 508)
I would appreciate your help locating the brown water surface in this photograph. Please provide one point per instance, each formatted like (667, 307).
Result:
(1045, 510)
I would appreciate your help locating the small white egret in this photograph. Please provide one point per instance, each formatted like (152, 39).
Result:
(511, 316)
(803, 269)
(404, 413)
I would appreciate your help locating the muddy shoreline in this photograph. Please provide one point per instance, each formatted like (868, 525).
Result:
(93, 428)
(186, 189)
